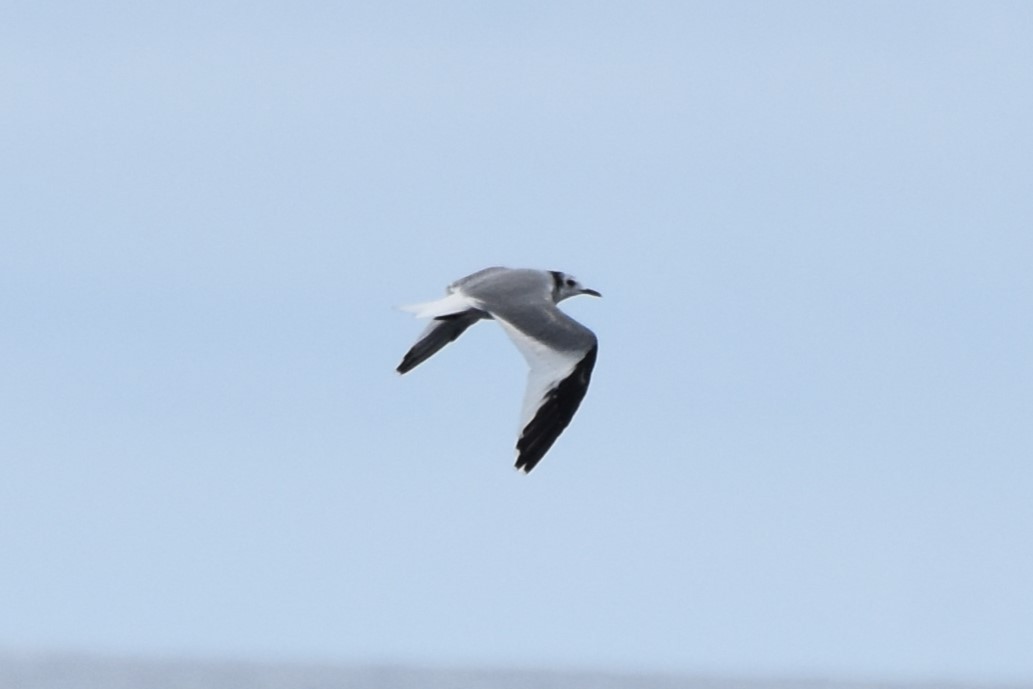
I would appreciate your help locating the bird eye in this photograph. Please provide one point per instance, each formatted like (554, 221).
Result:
(570, 283)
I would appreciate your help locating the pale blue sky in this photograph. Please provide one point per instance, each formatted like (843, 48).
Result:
(807, 448)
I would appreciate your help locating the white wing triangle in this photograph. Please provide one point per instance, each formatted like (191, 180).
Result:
(548, 368)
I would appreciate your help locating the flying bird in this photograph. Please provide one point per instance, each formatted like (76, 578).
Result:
(559, 351)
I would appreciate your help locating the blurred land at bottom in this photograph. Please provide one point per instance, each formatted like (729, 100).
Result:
(83, 671)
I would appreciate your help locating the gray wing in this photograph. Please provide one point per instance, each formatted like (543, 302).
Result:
(440, 332)
(561, 354)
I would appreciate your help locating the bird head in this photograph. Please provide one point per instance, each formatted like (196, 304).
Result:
(565, 286)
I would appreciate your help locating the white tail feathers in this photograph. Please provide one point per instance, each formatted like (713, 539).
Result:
(456, 302)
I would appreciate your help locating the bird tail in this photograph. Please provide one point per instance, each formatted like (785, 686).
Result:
(456, 302)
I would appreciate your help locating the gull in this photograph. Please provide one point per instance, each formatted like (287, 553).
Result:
(559, 351)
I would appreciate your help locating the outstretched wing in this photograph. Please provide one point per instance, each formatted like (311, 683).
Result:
(561, 354)
(440, 332)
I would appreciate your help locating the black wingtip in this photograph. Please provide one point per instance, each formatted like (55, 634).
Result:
(409, 362)
(555, 414)
(446, 329)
